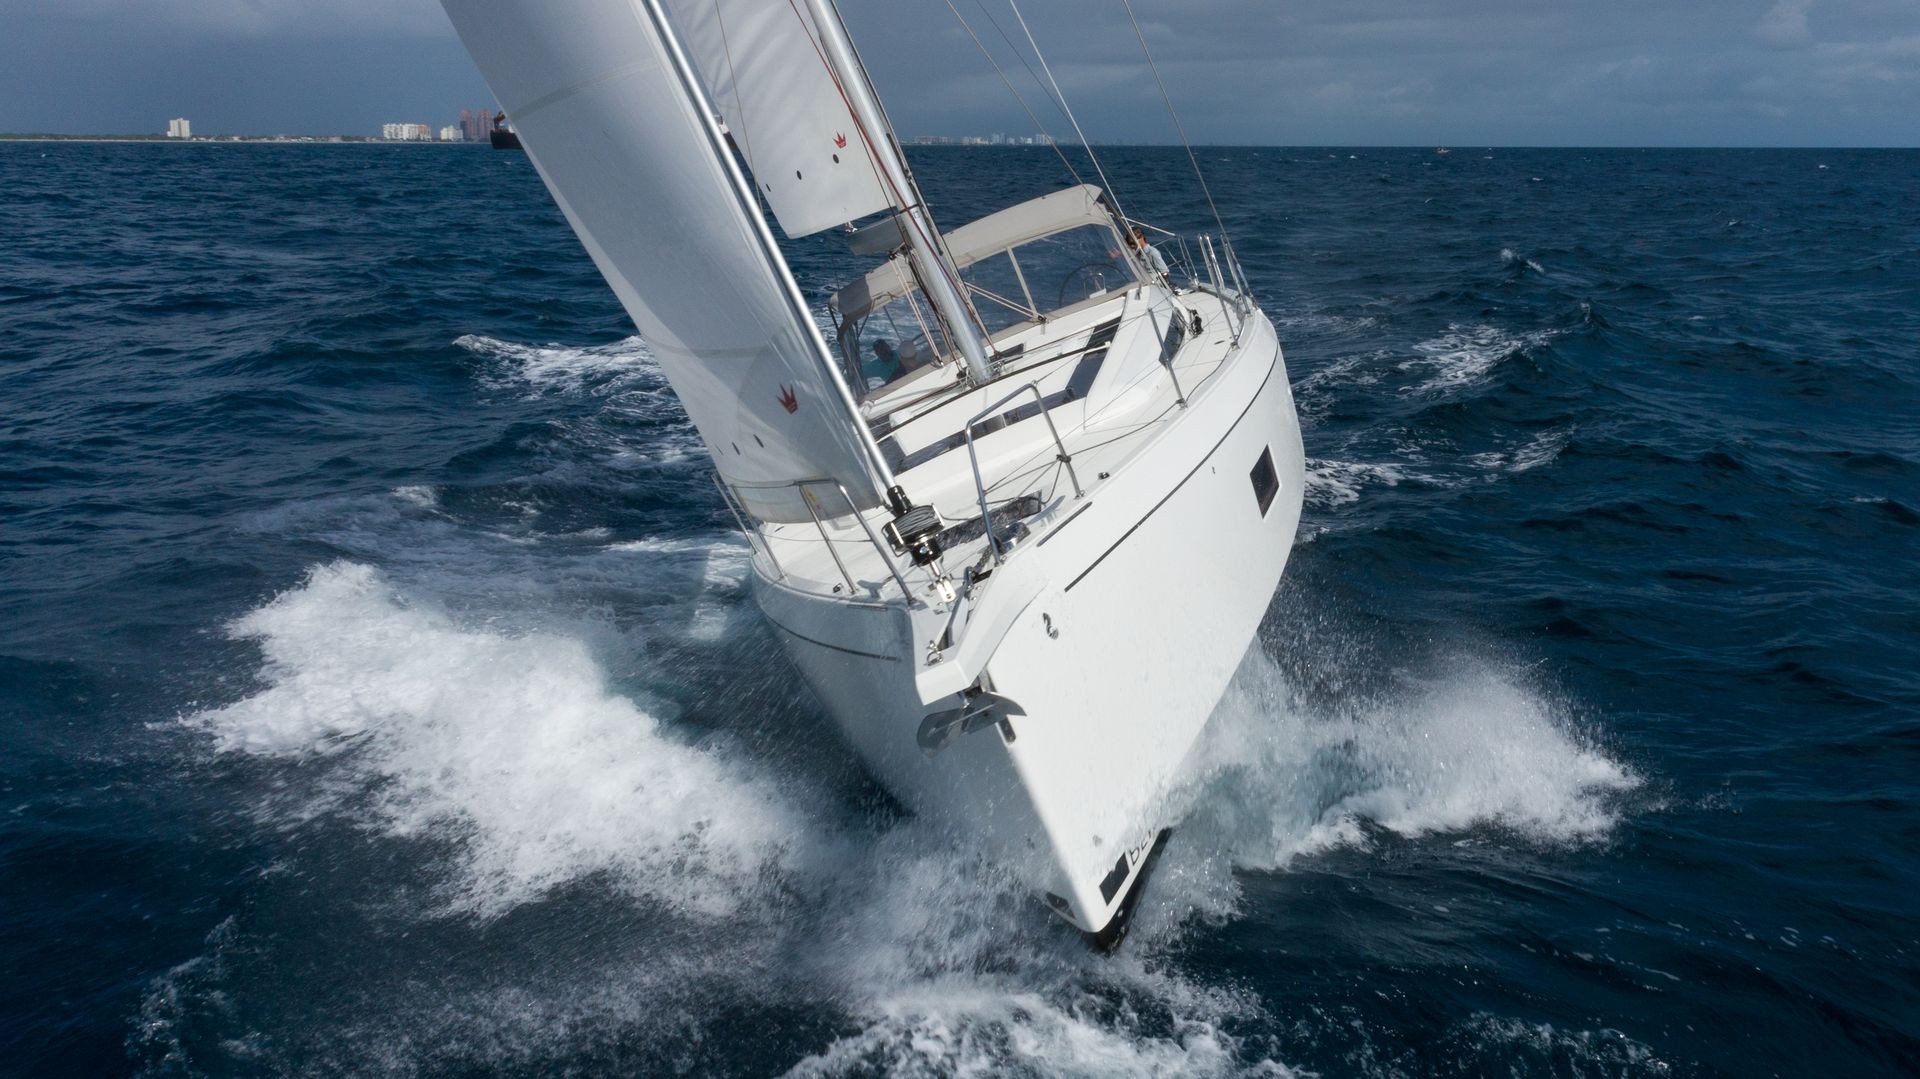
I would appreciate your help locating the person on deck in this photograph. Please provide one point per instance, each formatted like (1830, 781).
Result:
(1149, 254)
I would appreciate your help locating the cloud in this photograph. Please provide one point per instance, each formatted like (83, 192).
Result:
(1241, 71)
(1784, 25)
(324, 19)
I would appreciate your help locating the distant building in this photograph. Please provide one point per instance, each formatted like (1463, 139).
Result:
(451, 133)
(406, 132)
(179, 129)
(474, 123)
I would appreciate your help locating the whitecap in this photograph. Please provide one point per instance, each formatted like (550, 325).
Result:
(1279, 777)
(1508, 256)
(1338, 483)
(1464, 355)
(1537, 451)
(514, 742)
(556, 367)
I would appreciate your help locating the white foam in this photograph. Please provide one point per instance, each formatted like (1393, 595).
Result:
(510, 750)
(1539, 450)
(1508, 256)
(1495, 1039)
(423, 497)
(965, 1027)
(1337, 483)
(513, 743)
(563, 367)
(1465, 355)
(1347, 371)
(1277, 779)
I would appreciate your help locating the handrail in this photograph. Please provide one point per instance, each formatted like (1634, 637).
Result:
(733, 507)
(1213, 268)
(872, 537)
(973, 456)
(807, 496)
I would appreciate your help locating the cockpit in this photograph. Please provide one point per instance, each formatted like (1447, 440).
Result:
(1019, 267)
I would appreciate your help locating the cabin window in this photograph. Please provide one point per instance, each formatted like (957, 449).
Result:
(1176, 336)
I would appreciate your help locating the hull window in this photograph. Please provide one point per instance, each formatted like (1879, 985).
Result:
(1110, 886)
(1266, 481)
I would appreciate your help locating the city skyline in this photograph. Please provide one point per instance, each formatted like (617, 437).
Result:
(1382, 72)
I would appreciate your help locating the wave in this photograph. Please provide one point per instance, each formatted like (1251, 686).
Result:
(1283, 776)
(1338, 483)
(1464, 356)
(1510, 258)
(565, 368)
(529, 782)
(514, 743)
(1537, 451)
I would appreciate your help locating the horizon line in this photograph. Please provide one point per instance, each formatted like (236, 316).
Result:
(137, 136)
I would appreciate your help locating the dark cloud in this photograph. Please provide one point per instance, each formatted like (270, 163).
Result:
(1355, 71)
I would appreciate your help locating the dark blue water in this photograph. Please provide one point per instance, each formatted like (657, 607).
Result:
(381, 692)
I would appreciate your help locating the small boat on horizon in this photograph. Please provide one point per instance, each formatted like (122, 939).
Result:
(1017, 524)
(501, 135)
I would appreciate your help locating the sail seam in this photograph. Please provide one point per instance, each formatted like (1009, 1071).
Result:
(611, 75)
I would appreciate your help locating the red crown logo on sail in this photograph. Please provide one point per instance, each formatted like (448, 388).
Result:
(839, 140)
(788, 400)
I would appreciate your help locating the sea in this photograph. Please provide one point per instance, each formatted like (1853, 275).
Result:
(381, 691)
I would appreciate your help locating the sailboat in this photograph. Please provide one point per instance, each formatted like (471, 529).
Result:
(1017, 523)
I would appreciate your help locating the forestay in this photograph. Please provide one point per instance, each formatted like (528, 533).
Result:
(617, 128)
(765, 73)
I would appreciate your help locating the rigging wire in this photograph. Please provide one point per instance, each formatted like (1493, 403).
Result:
(733, 77)
(1060, 99)
(935, 244)
(998, 70)
(1225, 240)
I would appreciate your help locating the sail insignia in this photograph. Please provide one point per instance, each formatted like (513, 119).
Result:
(764, 71)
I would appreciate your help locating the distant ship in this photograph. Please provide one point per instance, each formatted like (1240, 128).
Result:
(503, 136)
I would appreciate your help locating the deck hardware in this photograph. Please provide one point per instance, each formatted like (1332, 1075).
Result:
(973, 454)
(979, 707)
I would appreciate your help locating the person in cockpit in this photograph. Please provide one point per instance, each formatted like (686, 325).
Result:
(1149, 254)
(888, 365)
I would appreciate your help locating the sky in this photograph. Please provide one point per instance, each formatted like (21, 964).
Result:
(1289, 72)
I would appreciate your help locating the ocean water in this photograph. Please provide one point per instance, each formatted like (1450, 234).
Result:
(380, 692)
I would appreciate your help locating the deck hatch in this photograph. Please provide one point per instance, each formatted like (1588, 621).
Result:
(1266, 480)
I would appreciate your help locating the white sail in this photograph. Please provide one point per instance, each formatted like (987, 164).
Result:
(610, 114)
(764, 70)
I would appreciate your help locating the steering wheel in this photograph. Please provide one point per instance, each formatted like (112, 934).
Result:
(1084, 268)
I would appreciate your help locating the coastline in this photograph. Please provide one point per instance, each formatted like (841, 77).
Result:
(235, 140)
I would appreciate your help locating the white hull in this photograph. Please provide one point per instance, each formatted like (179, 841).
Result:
(1135, 607)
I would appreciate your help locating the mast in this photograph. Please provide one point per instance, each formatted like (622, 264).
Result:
(612, 115)
(924, 249)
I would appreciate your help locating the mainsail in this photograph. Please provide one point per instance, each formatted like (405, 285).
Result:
(613, 118)
(765, 72)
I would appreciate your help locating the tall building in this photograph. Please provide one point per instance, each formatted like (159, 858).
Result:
(406, 132)
(473, 124)
(179, 129)
(451, 133)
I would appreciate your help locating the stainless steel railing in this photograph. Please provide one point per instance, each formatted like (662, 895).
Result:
(973, 456)
(758, 541)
